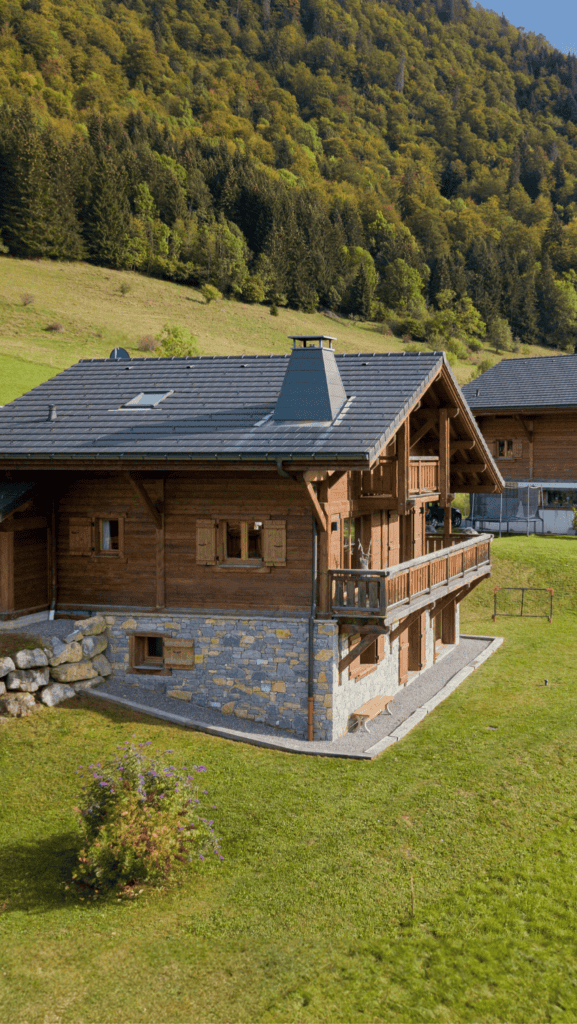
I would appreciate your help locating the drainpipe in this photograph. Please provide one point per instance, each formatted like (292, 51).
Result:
(312, 616)
(53, 553)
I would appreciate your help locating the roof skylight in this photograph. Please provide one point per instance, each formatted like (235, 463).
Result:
(147, 400)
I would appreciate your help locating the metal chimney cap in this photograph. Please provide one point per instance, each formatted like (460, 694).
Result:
(312, 337)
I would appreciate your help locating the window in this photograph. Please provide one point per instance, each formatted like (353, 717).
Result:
(109, 537)
(368, 659)
(155, 654)
(147, 653)
(252, 543)
(560, 499)
(147, 400)
(504, 449)
(508, 449)
(96, 536)
(242, 541)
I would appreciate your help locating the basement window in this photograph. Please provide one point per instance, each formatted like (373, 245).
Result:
(147, 653)
(147, 400)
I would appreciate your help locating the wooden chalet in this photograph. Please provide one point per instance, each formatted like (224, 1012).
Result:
(526, 410)
(253, 528)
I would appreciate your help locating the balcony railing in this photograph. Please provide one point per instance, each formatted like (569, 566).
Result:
(424, 475)
(374, 593)
(382, 481)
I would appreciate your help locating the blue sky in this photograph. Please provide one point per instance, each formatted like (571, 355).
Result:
(556, 19)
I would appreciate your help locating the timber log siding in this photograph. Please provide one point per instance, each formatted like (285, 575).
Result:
(544, 444)
(160, 567)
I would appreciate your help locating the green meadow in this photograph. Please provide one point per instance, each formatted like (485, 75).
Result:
(437, 883)
(52, 314)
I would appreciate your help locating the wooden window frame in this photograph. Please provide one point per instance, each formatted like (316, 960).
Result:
(97, 548)
(369, 659)
(143, 664)
(513, 449)
(243, 559)
(90, 531)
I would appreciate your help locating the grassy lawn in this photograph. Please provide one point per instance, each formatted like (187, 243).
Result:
(309, 918)
(94, 316)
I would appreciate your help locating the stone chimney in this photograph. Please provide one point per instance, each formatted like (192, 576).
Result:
(312, 388)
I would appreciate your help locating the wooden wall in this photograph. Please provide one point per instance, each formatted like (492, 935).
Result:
(236, 496)
(130, 580)
(552, 453)
(24, 561)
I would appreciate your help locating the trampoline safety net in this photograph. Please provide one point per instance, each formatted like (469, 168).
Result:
(514, 503)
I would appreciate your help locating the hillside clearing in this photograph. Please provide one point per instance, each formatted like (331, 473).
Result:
(92, 316)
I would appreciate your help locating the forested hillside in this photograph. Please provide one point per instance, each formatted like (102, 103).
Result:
(408, 161)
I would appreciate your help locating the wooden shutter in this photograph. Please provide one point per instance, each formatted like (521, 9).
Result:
(80, 535)
(394, 539)
(517, 449)
(205, 541)
(274, 542)
(178, 653)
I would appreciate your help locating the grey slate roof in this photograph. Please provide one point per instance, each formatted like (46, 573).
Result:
(219, 407)
(536, 383)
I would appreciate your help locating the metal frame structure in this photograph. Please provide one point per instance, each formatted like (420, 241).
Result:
(528, 615)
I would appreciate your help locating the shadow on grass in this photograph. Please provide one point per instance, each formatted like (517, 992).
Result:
(33, 875)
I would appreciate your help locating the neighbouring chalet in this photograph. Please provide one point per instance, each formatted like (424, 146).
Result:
(527, 412)
(252, 527)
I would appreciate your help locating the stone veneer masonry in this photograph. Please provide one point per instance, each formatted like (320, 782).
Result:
(253, 667)
(256, 667)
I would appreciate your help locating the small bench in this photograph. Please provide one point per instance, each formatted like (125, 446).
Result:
(370, 710)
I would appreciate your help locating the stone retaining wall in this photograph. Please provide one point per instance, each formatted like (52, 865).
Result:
(56, 672)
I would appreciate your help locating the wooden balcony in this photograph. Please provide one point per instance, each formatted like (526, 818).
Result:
(383, 480)
(424, 475)
(391, 594)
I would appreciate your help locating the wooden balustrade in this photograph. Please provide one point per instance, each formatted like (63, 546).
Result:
(424, 475)
(372, 593)
(382, 481)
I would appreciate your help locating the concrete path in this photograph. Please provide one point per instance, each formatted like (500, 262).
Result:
(410, 706)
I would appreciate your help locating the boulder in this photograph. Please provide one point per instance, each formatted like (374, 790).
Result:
(66, 653)
(27, 680)
(94, 645)
(92, 626)
(55, 693)
(31, 659)
(88, 684)
(74, 637)
(73, 673)
(2, 687)
(6, 666)
(17, 705)
(102, 665)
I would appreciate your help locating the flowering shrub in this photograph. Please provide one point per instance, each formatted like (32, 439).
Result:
(141, 818)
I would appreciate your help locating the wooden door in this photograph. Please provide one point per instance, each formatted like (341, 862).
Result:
(394, 539)
(417, 644)
(403, 657)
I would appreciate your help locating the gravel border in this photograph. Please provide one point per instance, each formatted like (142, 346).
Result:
(409, 707)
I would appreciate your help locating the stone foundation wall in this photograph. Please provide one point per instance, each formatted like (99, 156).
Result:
(252, 667)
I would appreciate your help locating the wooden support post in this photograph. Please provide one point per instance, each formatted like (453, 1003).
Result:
(323, 574)
(403, 450)
(160, 568)
(449, 622)
(6, 572)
